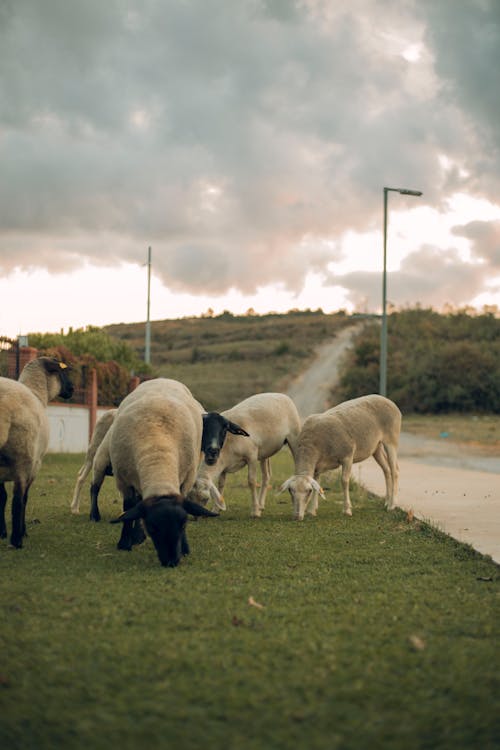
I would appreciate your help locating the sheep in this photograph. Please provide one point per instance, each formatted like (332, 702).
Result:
(348, 433)
(154, 447)
(102, 426)
(24, 433)
(215, 428)
(272, 421)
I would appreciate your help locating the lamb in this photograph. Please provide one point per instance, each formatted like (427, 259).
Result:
(272, 421)
(215, 428)
(102, 426)
(154, 447)
(349, 433)
(24, 433)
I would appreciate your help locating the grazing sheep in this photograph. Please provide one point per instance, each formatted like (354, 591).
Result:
(272, 421)
(102, 426)
(154, 450)
(24, 433)
(214, 430)
(347, 434)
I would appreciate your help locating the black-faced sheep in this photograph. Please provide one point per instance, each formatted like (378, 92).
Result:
(24, 433)
(154, 447)
(214, 431)
(349, 433)
(272, 421)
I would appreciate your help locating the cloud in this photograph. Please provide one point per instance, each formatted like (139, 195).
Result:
(241, 140)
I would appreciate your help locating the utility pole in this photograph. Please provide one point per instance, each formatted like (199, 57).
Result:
(383, 330)
(147, 346)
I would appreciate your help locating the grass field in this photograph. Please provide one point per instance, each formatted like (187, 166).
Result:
(374, 631)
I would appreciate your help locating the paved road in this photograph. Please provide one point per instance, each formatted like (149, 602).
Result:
(462, 502)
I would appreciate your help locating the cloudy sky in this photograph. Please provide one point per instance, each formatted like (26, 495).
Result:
(248, 143)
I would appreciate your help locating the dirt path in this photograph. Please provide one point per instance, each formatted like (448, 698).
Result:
(441, 482)
(311, 390)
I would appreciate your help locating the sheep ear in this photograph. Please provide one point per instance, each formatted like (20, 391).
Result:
(235, 429)
(217, 498)
(316, 486)
(194, 509)
(53, 365)
(285, 485)
(133, 514)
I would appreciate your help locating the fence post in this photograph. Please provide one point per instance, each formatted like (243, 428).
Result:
(92, 400)
(17, 359)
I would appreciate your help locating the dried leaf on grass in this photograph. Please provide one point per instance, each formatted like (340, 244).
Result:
(253, 603)
(417, 642)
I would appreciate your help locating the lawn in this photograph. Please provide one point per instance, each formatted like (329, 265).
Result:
(374, 631)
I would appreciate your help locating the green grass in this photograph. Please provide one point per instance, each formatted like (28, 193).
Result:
(375, 631)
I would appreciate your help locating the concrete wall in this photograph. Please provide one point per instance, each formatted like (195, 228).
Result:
(69, 428)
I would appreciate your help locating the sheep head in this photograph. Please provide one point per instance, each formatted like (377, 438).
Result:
(301, 488)
(165, 519)
(215, 429)
(204, 490)
(52, 366)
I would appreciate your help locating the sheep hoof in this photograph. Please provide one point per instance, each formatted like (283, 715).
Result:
(348, 512)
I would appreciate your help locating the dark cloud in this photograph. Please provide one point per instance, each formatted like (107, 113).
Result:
(240, 139)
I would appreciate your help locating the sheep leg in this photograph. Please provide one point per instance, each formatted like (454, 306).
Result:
(138, 535)
(3, 501)
(19, 500)
(94, 494)
(380, 457)
(346, 476)
(265, 470)
(97, 480)
(126, 538)
(184, 543)
(252, 483)
(80, 479)
(313, 501)
(221, 481)
(392, 458)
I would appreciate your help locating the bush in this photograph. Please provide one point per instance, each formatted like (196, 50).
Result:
(436, 363)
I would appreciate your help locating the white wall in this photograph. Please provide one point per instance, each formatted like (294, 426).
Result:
(69, 428)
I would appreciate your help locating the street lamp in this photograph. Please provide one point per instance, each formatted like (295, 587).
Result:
(383, 330)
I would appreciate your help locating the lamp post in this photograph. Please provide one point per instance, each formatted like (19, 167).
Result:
(147, 344)
(383, 330)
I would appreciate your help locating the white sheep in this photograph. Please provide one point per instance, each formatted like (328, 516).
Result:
(272, 421)
(154, 447)
(349, 433)
(101, 428)
(215, 428)
(24, 433)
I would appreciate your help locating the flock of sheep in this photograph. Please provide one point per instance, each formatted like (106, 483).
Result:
(170, 457)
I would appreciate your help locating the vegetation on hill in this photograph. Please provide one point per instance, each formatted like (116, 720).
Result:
(436, 363)
(226, 358)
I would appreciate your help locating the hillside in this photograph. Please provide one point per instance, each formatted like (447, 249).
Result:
(226, 358)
